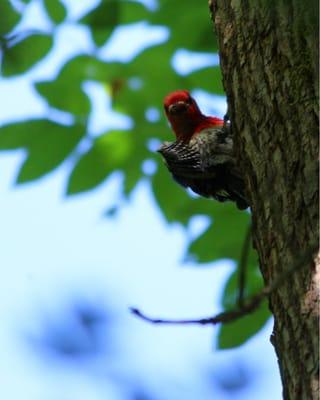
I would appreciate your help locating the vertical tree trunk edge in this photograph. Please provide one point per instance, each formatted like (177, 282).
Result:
(269, 62)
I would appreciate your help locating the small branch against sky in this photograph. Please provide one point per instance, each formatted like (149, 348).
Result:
(244, 309)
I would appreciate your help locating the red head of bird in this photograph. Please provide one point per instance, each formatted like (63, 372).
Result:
(185, 117)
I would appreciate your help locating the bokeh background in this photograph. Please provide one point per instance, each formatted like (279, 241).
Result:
(92, 223)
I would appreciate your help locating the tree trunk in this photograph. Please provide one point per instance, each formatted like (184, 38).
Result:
(269, 56)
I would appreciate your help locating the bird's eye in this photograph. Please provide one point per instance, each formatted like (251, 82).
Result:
(189, 100)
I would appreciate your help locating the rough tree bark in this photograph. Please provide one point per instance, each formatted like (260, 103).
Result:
(269, 56)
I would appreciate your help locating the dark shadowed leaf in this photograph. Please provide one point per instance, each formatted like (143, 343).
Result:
(174, 201)
(171, 198)
(112, 13)
(46, 142)
(254, 283)
(23, 55)
(102, 20)
(56, 10)
(238, 332)
(132, 175)
(189, 23)
(207, 78)
(8, 17)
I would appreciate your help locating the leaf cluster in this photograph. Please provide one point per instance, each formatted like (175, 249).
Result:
(133, 88)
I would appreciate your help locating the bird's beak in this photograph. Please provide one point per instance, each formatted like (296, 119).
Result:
(178, 107)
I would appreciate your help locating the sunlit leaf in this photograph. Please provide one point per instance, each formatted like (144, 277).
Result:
(46, 142)
(85, 67)
(224, 237)
(65, 91)
(21, 56)
(65, 95)
(108, 154)
(152, 66)
(134, 100)
(132, 11)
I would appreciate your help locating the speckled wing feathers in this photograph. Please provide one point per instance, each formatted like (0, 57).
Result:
(206, 165)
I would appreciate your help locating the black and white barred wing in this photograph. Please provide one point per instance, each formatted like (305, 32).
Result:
(186, 167)
(206, 168)
(181, 159)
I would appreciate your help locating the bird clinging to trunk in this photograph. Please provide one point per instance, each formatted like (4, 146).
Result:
(202, 156)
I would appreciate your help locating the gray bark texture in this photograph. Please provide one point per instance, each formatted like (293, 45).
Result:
(269, 62)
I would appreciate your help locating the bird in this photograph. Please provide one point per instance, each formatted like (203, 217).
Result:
(202, 156)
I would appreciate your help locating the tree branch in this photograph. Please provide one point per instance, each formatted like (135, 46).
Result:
(245, 309)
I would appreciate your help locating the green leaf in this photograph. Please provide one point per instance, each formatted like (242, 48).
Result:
(190, 24)
(8, 17)
(23, 55)
(149, 67)
(47, 143)
(175, 202)
(108, 153)
(223, 238)
(65, 92)
(102, 20)
(207, 78)
(254, 283)
(236, 333)
(84, 67)
(170, 197)
(66, 95)
(56, 10)
(132, 11)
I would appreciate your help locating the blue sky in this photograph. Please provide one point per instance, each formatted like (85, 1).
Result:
(56, 249)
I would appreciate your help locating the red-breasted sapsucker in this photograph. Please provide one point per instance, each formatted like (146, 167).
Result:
(202, 156)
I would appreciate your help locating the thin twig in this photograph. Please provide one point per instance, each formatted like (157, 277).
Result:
(248, 307)
(224, 317)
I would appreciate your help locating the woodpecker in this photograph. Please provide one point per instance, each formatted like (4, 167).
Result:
(202, 156)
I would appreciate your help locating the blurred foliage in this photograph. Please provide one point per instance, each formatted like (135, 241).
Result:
(21, 52)
(79, 330)
(49, 142)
